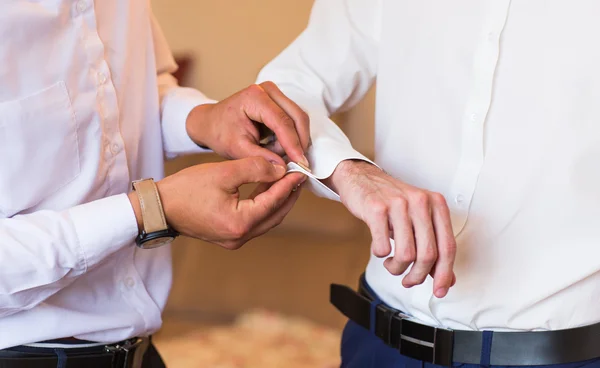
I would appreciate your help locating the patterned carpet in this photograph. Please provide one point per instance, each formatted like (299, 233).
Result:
(258, 339)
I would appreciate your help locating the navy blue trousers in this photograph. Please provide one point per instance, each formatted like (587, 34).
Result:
(362, 349)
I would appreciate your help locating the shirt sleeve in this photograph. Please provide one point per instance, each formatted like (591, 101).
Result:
(44, 252)
(175, 102)
(327, 69)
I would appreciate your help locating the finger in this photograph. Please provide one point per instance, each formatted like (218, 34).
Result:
(301, 119)
(405, 253)
(254, 211)
(250, 148)
(235, 173)
(425, 242)
(264, 110)
(380, 230)
(443, 275)
(278, 216)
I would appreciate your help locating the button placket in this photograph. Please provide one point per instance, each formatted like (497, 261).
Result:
(477, 107)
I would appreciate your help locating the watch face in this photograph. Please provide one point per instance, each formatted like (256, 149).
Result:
(157, 242)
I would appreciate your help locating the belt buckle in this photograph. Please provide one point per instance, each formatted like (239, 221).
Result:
(124, 350)
(427, 343)
(383, 322)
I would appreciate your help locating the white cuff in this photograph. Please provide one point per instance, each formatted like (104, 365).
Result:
(330, 146)
(104, 227)
(176, 107)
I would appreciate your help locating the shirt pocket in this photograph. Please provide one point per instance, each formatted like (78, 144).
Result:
(39, 150)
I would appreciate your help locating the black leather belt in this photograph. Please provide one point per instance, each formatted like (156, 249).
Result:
(126, 354)
(444, 347)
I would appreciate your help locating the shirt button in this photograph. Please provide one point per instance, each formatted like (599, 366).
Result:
(473, 117)
(129, 282)
(101, 78)
(459, 199)
(81, 6)
(115, 148)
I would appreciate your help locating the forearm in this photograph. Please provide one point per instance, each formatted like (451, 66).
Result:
(45, 251)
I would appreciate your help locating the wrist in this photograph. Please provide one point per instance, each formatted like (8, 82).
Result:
(347, 169)
(198, 125)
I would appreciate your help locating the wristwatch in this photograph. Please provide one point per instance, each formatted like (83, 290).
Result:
(156, 232)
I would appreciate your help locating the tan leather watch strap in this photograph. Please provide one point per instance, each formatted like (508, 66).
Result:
(153, 215)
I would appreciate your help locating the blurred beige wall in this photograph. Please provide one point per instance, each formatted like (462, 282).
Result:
(289, 269)
(232, 39)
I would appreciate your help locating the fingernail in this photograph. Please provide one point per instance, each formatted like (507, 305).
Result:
(304, 161)
(279, 168)
(304, 177)
(441, 292)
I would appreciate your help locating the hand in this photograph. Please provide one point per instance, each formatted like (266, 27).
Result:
(203, 201)
(231, 127)
(417, 220)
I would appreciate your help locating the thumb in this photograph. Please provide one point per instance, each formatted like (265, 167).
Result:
(251, 170)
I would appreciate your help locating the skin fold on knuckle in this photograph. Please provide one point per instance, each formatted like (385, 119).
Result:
(420, 200)
(285, 120)
(428, 255)
(377, 209)
(237, 229)
(406, 254)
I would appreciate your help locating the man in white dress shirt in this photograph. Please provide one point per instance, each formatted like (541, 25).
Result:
(88, 105)
(493, 105)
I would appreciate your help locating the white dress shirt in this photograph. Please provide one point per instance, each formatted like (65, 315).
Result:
(87, 105)
(492, 103)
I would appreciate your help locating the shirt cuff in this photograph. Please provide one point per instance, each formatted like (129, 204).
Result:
(104, 227)
(325, 154)
(330, 146)
(176, 107)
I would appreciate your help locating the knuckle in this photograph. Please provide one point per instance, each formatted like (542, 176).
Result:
(438, 199)
(399, 203)
(304, 118)
(378, 209)
(254, 90)
(450, 247)
(285, 119)
(268, 84)
(407, 255)
(237, 230)
(420, 199)
(429, 255)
